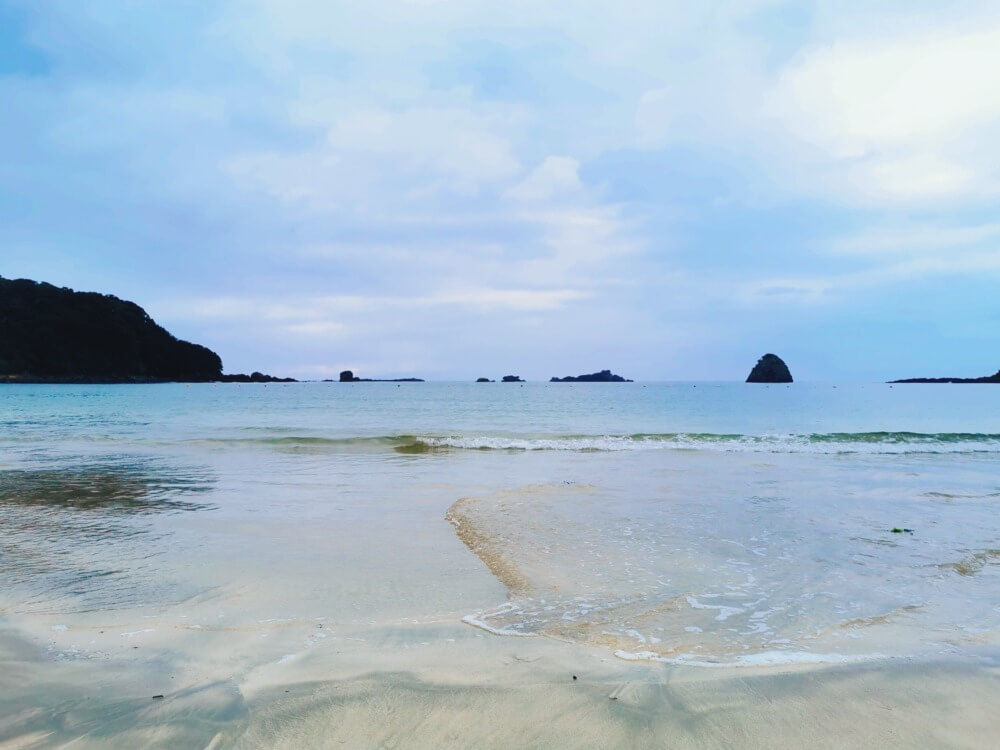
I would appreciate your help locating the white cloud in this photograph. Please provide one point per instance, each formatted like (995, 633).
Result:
(555, 176)
(851, 98)
(893, 120)
(318, 314)
(875, 114)
(394, 155)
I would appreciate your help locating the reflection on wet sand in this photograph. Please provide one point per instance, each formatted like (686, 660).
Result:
(130, 486)
(70, 533)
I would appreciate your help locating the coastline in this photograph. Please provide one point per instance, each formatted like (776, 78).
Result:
(136, 380)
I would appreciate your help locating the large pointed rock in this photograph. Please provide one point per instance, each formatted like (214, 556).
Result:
(770, 369)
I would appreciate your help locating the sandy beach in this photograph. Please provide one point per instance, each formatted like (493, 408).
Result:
(444, 685)
(175, 578)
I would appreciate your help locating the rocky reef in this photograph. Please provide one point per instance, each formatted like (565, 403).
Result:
(770, 369)
(348, 376)
(604, 376)
(254, 377)
(56, 335)
(985, 379)
(484, 380)
(511, 379)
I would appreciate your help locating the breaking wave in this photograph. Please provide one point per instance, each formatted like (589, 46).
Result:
(832, 443)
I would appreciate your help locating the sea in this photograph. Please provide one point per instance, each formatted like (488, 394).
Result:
(700, 524)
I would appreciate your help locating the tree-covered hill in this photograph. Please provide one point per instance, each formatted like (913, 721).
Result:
(52, 332)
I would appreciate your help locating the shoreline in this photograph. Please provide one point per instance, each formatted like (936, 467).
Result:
(136, 380)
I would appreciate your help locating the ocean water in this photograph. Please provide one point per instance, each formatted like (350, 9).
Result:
(705, 524)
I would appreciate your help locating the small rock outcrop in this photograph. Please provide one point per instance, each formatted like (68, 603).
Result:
(604, 376)
(512, 379)
(347, 376)
(770, 369)
(484, 380)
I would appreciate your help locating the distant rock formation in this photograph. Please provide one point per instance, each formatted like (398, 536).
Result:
(770, 369)
(254, 377)
(50, 334)
(347, 376)
(985, 379)
(484, 380)
(512, 379)
(604, 376)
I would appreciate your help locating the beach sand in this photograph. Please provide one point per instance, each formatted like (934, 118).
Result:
(442, 685)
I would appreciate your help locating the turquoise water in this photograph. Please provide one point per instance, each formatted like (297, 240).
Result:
(38, 419)
(704, 523)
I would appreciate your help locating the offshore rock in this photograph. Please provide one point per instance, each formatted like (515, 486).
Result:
(770, 369)
(604, 376)
(512, 379)
(484, 380)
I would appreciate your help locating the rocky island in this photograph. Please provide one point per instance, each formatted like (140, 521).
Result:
(348, 376)
(511, 379)
(604, 376)
(770, 369)
(985, 379)
(50, 334)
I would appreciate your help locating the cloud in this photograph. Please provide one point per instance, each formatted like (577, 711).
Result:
(914, 238)
(397, 155)
(854, 97)
(421, 184)
(556, 176)
(895, 120)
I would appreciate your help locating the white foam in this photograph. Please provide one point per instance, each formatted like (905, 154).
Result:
(762, 659)
(636, 634)
(138, 632)
(479, 623)
(772, 443)
(724, 612)
(479, 620)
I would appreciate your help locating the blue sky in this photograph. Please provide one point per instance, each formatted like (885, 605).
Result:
(449, 189)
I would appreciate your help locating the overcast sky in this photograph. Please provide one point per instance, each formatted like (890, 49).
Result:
(453, 189)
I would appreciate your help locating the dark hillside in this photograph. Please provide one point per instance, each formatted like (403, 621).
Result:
(47, 331)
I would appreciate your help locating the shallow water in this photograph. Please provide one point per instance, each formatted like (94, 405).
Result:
(224, 532)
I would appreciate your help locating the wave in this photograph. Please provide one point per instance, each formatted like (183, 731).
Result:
(314, 443)
(833, 442)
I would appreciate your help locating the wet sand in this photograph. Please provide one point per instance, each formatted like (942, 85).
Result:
(442, 685)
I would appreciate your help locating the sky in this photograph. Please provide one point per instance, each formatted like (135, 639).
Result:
(450, 189)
